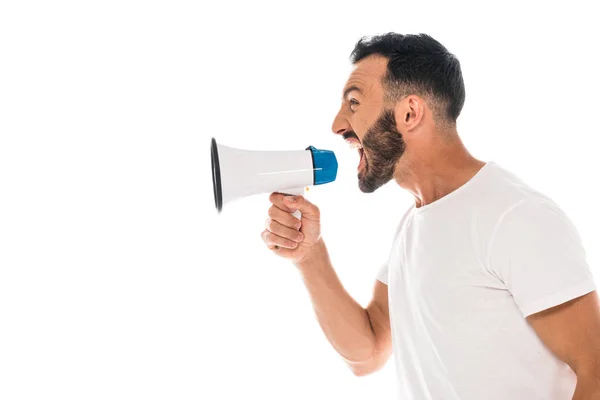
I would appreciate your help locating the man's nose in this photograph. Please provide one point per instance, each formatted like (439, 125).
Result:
(340, 125)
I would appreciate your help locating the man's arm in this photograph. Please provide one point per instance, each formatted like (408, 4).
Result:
(360, 335)
(572, 331)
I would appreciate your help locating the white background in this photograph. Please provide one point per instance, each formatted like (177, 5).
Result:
(118, 280)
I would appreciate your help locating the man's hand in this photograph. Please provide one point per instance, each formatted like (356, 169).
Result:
(288, 236)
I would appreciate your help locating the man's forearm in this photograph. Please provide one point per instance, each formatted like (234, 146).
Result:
(344, 322)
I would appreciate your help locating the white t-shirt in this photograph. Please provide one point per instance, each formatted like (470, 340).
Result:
(463, 273)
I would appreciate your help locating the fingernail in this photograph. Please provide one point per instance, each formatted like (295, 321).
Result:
(300, 237)
(291, 199)
(298, 224)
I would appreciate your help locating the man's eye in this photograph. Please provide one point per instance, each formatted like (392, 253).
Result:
(353, 104)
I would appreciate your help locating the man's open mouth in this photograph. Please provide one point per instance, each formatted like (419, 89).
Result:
(355, 144)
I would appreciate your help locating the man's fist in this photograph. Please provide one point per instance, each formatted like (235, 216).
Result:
(288, 236)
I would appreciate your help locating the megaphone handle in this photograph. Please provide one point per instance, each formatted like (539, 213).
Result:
(297, 214)
(296, 192)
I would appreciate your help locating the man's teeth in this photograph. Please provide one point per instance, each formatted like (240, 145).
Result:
(354, 145)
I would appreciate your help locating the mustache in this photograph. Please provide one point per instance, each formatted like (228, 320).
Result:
(350, 135)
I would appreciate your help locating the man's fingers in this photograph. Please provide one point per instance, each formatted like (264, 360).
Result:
(281, 251)
(284, 218)
(293, 203)
(308, 209)
(277, 200)
(283, 231)
(272, 240)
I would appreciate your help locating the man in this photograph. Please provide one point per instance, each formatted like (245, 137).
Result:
(486, 294)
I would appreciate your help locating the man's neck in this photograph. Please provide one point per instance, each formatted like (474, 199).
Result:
(446, 167)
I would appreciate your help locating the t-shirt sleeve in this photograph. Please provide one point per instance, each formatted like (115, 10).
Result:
(382, 275)
(537, 252)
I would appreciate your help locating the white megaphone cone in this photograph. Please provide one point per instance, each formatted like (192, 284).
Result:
(238, 173)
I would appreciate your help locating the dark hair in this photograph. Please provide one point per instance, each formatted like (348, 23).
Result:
(417, 64)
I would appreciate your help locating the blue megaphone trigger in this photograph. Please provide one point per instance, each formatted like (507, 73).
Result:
(324, 165)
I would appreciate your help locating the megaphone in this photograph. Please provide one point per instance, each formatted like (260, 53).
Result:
(237, 173)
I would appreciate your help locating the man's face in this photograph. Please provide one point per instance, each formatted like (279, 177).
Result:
(369, 125)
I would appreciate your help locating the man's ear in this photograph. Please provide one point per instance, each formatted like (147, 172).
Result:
(409, 113)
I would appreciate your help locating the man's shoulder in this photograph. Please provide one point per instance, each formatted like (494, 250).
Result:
(502, 198)
(505, 191)
(517, 207)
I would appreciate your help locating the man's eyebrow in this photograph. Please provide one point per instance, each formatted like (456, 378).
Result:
(351, 89)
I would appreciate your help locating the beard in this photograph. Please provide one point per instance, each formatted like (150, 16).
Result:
(383, 146)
